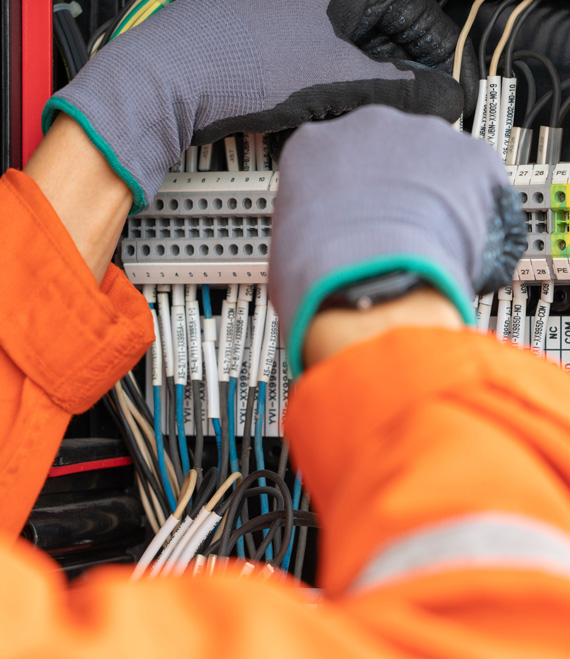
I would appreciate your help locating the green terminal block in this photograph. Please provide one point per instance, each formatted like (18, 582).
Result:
(560, 237)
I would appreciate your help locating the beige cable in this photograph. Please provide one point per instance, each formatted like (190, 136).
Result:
(149, 432)
(186, 492)
(224, 487)
(461, 41)
(155, 526)
(494, 66)
(123, 403)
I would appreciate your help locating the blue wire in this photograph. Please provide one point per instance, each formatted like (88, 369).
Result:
(259, 457)
(218, 432)
(160, 448)
(297, 490)
(182, 444)
(207, 304)
(233, 449)
(232, 424)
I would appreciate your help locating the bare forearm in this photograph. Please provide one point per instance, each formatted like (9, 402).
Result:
(333, 330)
(90, 199)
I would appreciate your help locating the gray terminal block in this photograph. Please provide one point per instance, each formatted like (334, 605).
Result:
(536, 263)
(200, 226)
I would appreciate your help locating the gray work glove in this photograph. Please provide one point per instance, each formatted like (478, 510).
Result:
(378, 191)
(201, 69)
(411, 29)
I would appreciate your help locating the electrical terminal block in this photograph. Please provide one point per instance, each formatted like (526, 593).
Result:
(560, 236)
(206, 227)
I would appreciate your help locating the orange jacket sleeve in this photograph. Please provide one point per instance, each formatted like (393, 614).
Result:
(63, 340)
(439, 464)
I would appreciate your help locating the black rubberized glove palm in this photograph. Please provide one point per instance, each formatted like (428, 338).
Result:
(199, 70)
(416, 30)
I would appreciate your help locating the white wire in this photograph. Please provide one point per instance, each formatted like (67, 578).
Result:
(518, 322)
(504, 314)
(194, 334)
(205, 529)
(183, 542)
(257, 329)
(270, 340)
(166, 333)
(480, 116)
(156, 353)
(154, 547)
(179, 335)
(171, 546)
(210, 362)
(506, 115)
(240, 332)
(484, 312)
(227, 327)
(541, 316)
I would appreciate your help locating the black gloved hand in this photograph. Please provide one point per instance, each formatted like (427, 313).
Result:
(416, 30)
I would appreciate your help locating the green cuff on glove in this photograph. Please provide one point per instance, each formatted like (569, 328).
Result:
(428, 270)
(55, 105)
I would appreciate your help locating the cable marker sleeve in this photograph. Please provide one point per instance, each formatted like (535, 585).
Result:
(242, 312)
(166, 333)
(493, 109)
(270, 341)
(194, 339)
(227, 325)
(506, 115)
(156, 353)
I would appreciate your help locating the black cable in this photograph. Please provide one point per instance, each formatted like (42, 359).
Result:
(509, 48)
(541, 104)
(199, 443)
(115, 22)
(224, 422)
(530, 83)
(260, 523)
(137, 398)
(555, 94)
(485, 37)
(302, 542)
(267, 540)
(64, 46)
(283, 457)
(98, 32)
(204, 491)
(76, 39)
(247, 428)
(563, 111)
(147, 441)
(245, 457)
(236, 504)
(70, 41)
(221, 508)
(112, 404)
(172, 429)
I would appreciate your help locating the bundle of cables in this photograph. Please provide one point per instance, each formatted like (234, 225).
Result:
(157, 440)
(186, 543)
(134, 13)
(68, 37)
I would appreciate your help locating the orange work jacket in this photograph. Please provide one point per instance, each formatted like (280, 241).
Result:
(438, 463)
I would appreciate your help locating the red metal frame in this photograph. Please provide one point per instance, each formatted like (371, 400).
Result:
(80, 467)
(37, 70)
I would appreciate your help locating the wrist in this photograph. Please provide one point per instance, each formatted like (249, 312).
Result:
(334, 330)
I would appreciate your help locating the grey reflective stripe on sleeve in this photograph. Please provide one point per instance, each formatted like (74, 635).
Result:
(475, 541)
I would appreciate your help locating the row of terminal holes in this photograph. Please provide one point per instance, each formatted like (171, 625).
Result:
(217, 204)
(205, 227)
(202, 250)
(537, 197)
